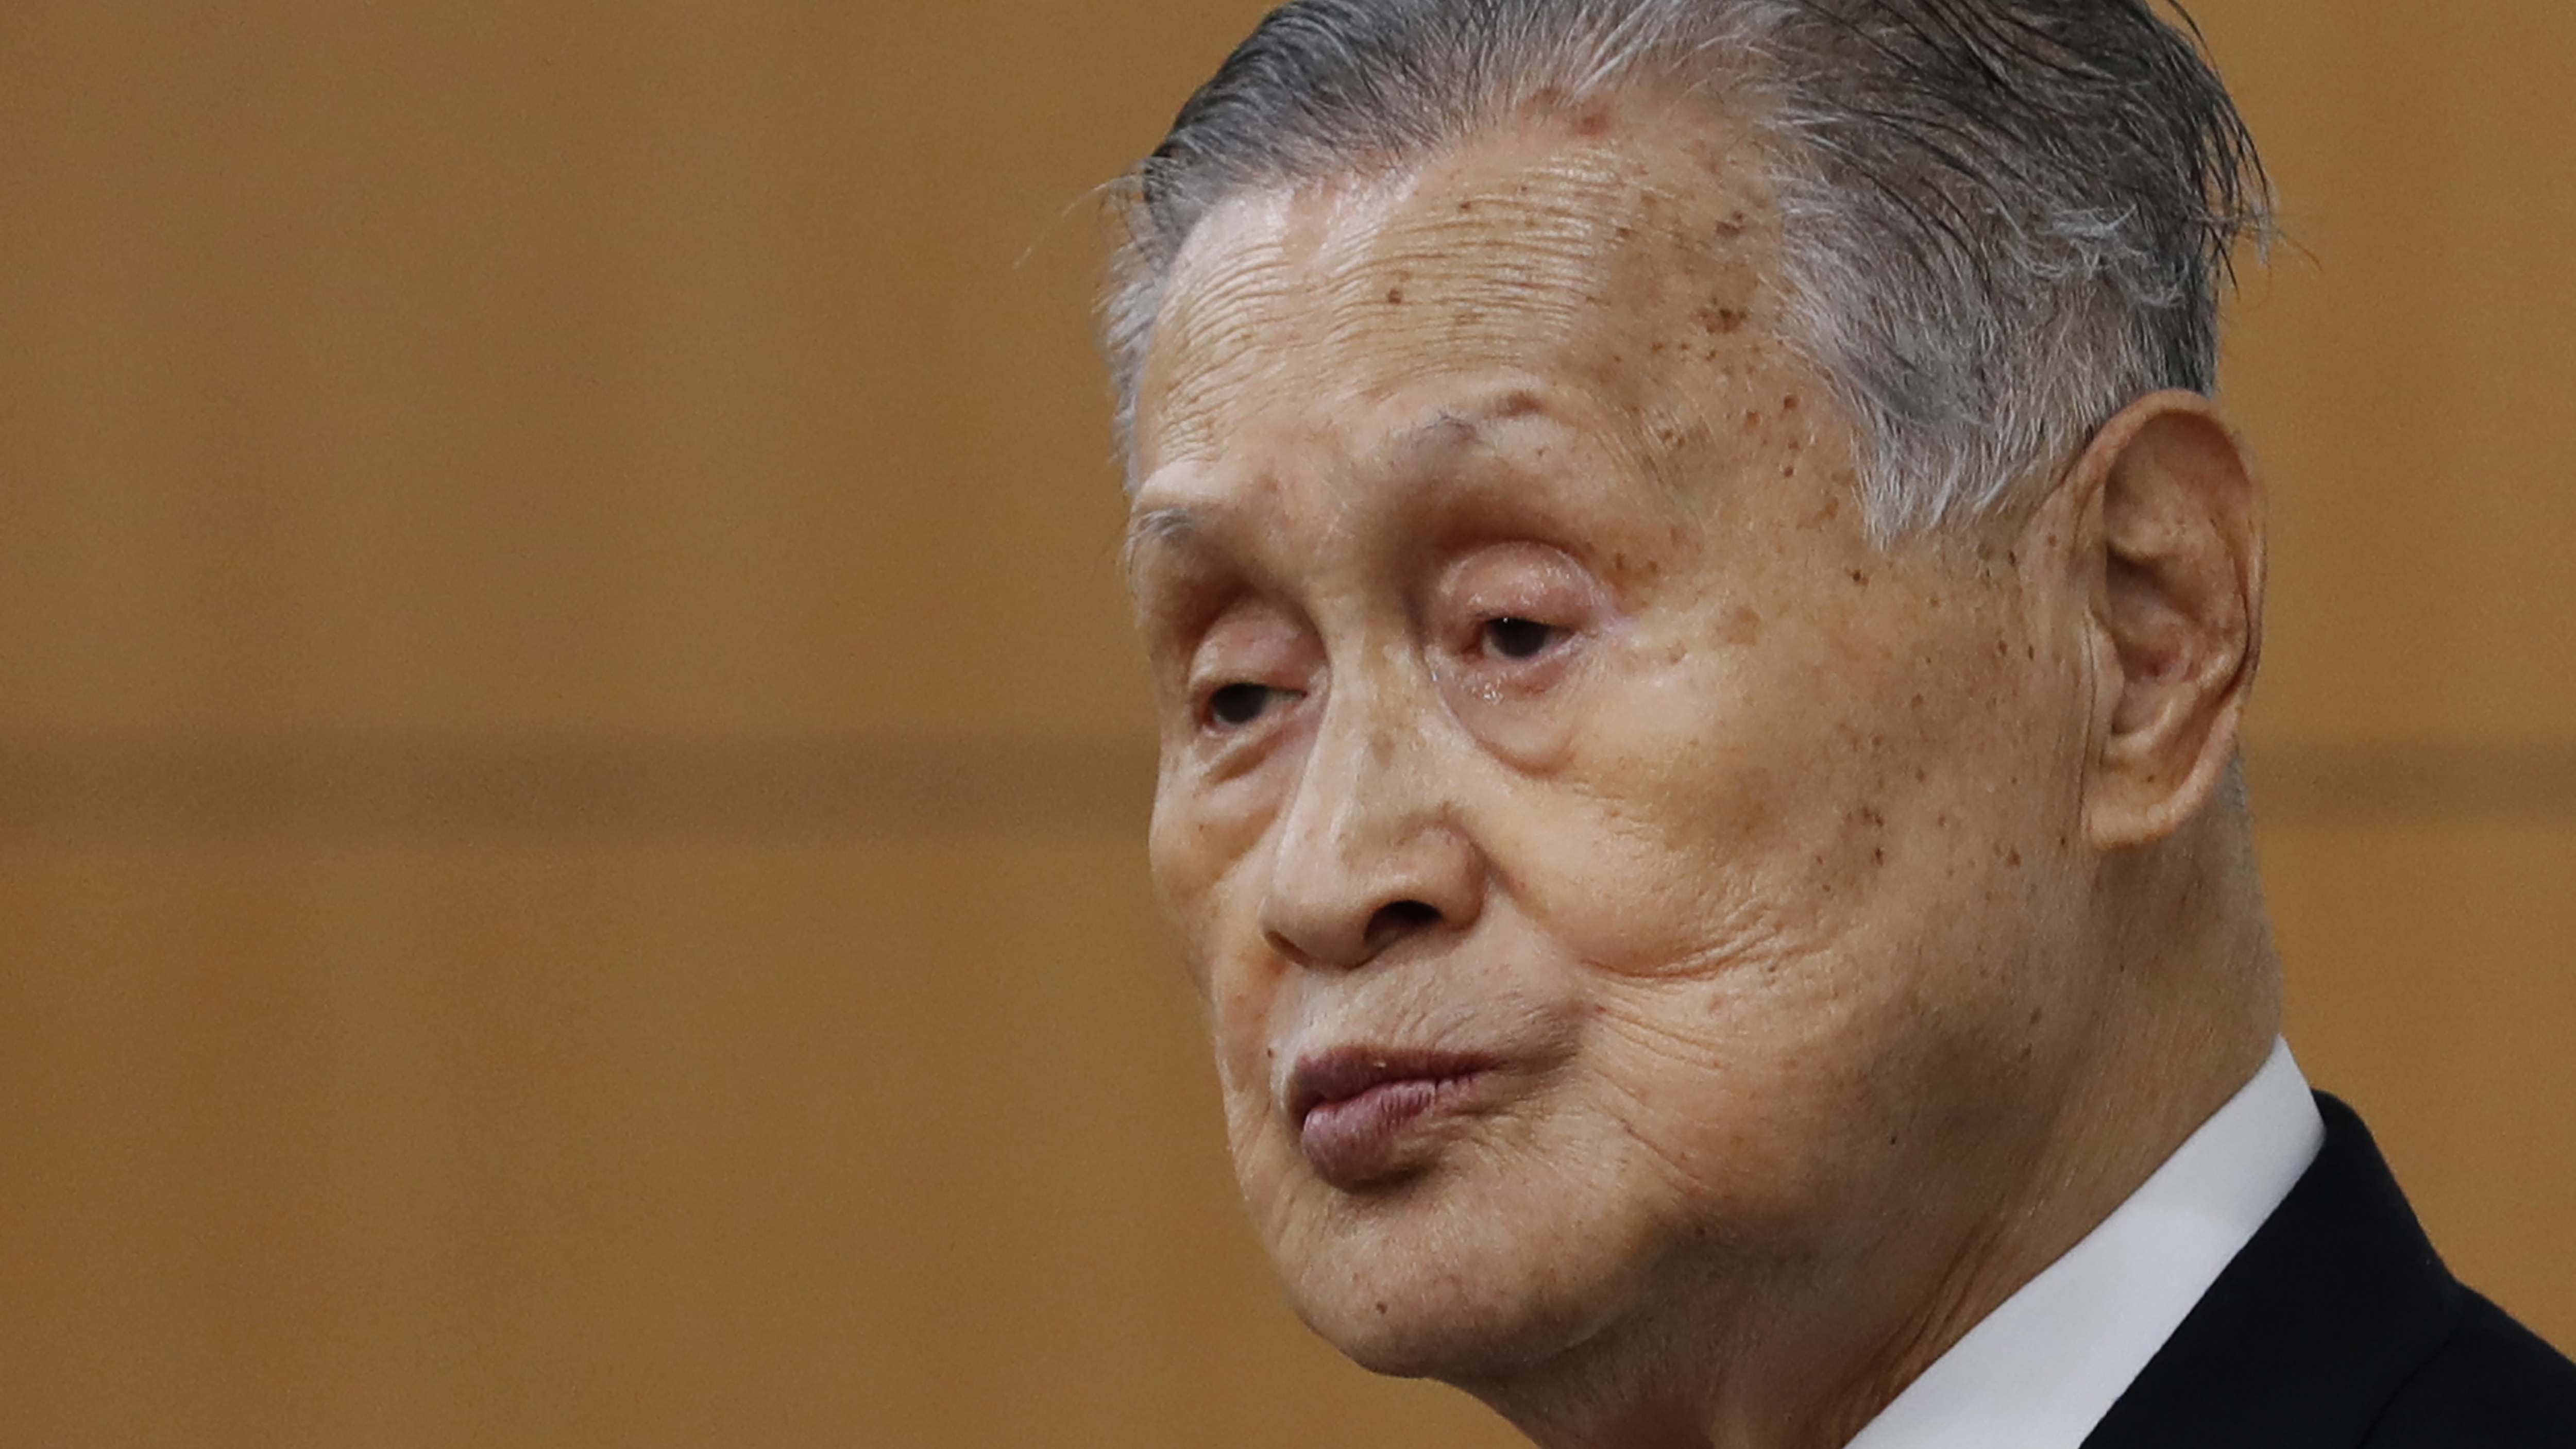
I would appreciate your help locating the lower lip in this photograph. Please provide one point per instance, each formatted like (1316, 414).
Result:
(1363, 1139)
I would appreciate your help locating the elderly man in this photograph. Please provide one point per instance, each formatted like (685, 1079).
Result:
(1701, 606)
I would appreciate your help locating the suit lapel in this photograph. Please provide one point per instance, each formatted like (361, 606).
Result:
(2313, 1328)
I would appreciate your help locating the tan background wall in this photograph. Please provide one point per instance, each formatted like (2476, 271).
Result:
(570, 770)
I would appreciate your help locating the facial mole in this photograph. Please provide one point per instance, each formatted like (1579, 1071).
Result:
(1719, 320)
(1395, 296)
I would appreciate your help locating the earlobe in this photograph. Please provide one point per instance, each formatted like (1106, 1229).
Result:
(2177, 612)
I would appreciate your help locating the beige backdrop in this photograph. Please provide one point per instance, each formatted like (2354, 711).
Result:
(570, 769)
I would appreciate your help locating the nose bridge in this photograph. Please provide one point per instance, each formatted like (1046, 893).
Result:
(1367, 850)
(1351, 795)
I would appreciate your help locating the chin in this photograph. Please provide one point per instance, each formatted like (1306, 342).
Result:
(1403, 1326)
(1438, 1280)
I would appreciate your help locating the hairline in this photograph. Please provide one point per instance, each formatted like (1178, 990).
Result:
(1980, 312)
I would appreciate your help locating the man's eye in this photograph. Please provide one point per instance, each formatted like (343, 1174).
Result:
(1518, 638)
(1236, 705)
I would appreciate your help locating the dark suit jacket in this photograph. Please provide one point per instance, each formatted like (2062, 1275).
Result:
(2338, 1328)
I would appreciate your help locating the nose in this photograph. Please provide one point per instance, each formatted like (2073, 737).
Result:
(1370, 853)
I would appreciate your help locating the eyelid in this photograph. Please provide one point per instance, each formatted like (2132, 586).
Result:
(1255, 644)
(1522, 581)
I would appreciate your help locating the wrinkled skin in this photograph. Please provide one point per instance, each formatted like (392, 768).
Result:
(1533, 697)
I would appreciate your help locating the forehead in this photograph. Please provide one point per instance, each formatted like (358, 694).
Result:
(1619, 258)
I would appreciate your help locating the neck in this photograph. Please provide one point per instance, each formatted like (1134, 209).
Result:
(2186, 1013)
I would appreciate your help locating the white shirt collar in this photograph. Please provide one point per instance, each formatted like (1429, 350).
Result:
(2041, 1370)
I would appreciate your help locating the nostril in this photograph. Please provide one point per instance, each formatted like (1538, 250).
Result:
(1398, 919)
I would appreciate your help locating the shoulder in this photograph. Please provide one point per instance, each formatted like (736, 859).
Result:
(2493, 1384)
(2339, 1327)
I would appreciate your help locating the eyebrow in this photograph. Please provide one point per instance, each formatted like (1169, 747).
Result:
(1474, 423)
(1179, 526)
(1176, 525)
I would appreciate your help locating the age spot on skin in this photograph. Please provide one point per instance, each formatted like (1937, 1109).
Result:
(1721, 320)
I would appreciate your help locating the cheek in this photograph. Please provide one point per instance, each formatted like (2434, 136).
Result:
(1732, 804)
(1207, 867)
(1205, 844)
(1679, 834)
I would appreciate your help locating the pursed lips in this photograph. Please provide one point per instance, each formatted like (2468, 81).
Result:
(1354, 1108)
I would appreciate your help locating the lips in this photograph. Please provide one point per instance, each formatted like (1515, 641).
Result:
(1362, 1115)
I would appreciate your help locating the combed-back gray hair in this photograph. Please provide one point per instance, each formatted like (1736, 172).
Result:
(2003, 220)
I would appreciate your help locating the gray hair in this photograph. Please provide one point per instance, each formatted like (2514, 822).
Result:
(2003, 220)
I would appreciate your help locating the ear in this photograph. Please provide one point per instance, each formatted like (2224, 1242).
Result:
(2173, 546)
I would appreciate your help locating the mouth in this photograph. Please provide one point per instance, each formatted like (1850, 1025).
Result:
(1360, 1113)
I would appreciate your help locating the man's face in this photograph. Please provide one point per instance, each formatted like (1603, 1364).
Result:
(1616, 886)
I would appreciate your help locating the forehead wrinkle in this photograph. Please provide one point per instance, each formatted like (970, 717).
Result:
(1542, 235)
(1524, 255)
(1232, 301)
(1290, 276)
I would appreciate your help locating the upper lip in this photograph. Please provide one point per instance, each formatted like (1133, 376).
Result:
(1346, 1072)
